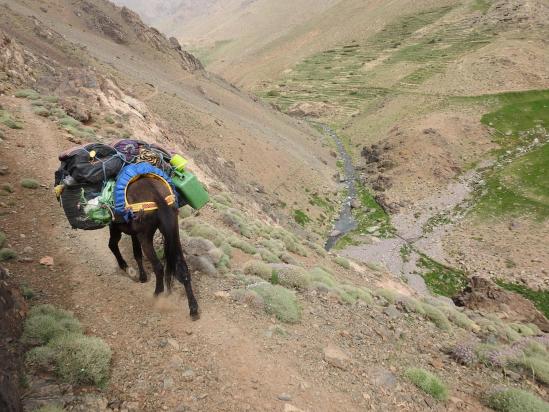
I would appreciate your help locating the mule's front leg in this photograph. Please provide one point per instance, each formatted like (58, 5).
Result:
(150, 253)
(138, 255)
(115, 237)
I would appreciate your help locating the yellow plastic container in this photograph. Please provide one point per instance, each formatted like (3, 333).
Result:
(179, 162)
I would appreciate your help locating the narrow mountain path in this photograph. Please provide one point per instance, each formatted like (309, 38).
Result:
(162, 360)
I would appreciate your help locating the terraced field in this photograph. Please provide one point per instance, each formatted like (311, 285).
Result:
(400, 57)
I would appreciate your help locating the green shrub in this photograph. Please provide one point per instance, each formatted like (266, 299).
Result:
(41, 111)
(516, 400)
(7, 254)
(524, 330)
(248, 297)
(301, 217)
(45, 323)
(259, 269)
(275, 246)
(27, 292)
(69, 121)
(81, 359)
(411, 304)
(2, 239)
(458, 318)
(427, 382)
(321, 275)
(109, 119)
(341, 261)
(7, 187)
(207, 232)
(49, 408)
(510, 334)
(27, 94)
(344, 297)
(9, 122)
(30, 183)
(40, 357)
(436, 316)
(268, 256)
(358, 293)
(279, 301)
(292, 276)
(243, 245)
(185, 212)
(535, 366)
(51, 99)
(389, 295)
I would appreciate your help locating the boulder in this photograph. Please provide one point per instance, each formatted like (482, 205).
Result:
(483, 294)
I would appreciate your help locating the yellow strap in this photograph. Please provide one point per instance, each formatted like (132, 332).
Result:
(148, 206)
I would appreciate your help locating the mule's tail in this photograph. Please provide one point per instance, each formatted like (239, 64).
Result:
(172, 247)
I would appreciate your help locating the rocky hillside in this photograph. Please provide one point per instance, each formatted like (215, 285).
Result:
(442, 185)
(82, 50)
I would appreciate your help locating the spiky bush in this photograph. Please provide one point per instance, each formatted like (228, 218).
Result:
(259, 269)
(268, 256)
(248, 297)
(358, 293)
(410, 304)
(436, 316)
(275, 246)
(49, 408)
(207, 231)
(27, 93)
(76, 358)
(535, 366)
(234, 219)
(7, 187)
(7, 254)
(427, 382)
(460, 319)
(341, 261)
(279, 302)
(30, 183)
(292, 276)
(46, 322)
(185, 212)
(522, 329)
(321, 275)
(2, 238)
(81, 359)
(243, 245)
(69, 121)
(516, 400)
(389, 295)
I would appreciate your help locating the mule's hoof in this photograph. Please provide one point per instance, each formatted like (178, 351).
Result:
(143, 280)
(195, 316)
(156, 293)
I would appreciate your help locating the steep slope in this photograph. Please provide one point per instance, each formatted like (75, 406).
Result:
(284, 325)
(246, 144)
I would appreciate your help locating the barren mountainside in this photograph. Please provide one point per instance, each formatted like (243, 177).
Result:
(376, 232)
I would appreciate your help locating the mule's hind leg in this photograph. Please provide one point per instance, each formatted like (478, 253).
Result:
(115, 236)
(138, 255)
(185, 277)
(146, 240)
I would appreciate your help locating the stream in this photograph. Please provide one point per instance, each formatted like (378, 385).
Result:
(345, 221)
(410, 233)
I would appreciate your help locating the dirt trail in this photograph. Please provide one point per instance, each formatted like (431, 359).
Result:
(162, 360)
